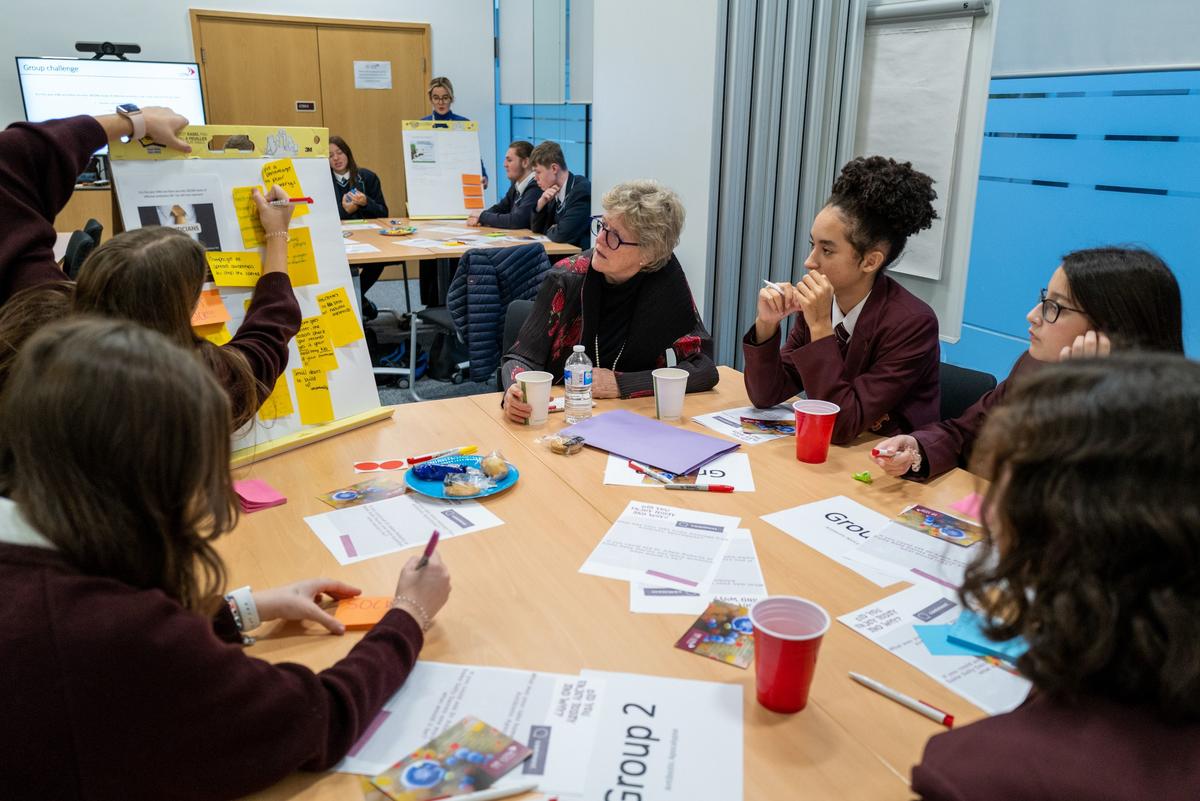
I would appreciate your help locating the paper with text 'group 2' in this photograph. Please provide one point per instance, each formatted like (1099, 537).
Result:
(835, 527)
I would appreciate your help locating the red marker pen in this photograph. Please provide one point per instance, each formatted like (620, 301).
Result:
(291, 200)
(429, 547)
(647, 471)
(885, 454)
(702, 487)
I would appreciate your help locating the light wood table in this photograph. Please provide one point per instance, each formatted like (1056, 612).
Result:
(519, 600)
(393, 248)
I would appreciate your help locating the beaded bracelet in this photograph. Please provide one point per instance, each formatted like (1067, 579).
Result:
(424, 622)
(286, 236)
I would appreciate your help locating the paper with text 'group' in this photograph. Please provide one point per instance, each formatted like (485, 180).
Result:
(232, 268)
(671, 547)
(301, 264)
(739, 581)
(312, 396)
(283, 174)
(341, 320)
(835, 527)
(387, 526)
(314, 344)
(253, 234)
(984, 681)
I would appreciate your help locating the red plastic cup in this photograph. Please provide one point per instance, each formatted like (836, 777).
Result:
(814, 429)
(787, 635)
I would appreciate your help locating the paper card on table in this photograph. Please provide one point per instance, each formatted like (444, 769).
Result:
(663, 545)
(231, 268)
(941, 525)
(934, 640)
(649, 441)
(369, 491)
(970, 505)
(835, 527)
(301, 264)
(312, 396)
(362, 612)
(729, 422)
(278, 403)
(316, 349)
(283, 173)
(469, 756)
(253, 234)
(210, 310)
(218, 334)
(916, 556)
(361, 247)
(406, 521)
(739, 581)
(889, 623)
(722, 632)
(732, 469)
(380, 465)
(473, 203)
(256, 494)
(472, 180)
(341, 321)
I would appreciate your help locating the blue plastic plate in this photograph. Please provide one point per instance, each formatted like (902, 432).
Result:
(435, 489)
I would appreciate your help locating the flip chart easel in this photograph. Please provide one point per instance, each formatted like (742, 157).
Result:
(442, 169)
(327, 386)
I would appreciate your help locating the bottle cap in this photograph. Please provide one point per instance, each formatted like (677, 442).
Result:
(579, 349)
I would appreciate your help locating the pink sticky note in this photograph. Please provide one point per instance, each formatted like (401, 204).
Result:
(257, 494)
(969, 506)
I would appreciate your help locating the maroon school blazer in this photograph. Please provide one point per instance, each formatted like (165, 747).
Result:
(886, 383)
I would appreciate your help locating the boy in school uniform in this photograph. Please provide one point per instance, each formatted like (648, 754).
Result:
(563, 211)
(515, 209)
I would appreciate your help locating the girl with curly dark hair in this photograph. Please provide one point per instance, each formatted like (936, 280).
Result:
(1094, 521)
(861, 340)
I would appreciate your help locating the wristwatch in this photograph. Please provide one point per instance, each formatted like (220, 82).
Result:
(131, 112)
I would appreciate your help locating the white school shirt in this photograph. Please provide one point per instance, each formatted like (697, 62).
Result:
(850, 318)
(15, 530)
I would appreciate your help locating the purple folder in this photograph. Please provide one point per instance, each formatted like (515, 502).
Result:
(648, 441)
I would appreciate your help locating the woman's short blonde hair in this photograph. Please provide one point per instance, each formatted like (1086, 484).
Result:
(444, 83)
(652, 212)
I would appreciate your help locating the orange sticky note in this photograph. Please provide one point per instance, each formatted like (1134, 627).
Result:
(218, 333)
(312, 396)
(472, 191)
(473, 202)
(283, 172)
(362, 613)
(472, 180)
(210, 310)
(340, 320)
(302, 264)
(278, 403)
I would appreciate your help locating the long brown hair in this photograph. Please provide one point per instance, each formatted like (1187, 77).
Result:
(115, 444)
(351, 164)
(153, 276)
(25, 313)
(1096, 522)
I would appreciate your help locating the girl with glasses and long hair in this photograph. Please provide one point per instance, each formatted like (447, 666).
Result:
(1098, 300)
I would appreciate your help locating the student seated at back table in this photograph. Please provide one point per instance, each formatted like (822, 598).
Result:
(124, 671)
(39, 163)
(359, 193)
(154, 277)
(861, 340)
(516, 207)
(627, 301)
(1097, 299)
(1094, 521)
(564, 207)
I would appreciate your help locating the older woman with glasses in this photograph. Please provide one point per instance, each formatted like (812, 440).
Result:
(1098, 300)
(626, 300)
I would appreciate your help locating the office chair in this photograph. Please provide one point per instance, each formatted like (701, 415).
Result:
(79, 247)
(961, 387)
(514, 317)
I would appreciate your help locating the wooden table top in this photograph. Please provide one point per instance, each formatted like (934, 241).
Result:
(393, 248)
(848, 744)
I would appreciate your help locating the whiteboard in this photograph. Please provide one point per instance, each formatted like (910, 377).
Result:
(147, 176)
(442, 171)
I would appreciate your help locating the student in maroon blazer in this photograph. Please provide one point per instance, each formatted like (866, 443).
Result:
(124, 674)
(1098, 299)
(861, 340)
(1092, 557)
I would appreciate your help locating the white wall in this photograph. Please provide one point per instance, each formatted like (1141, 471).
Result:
(461, 31)
(654, 110)
(1046, 36)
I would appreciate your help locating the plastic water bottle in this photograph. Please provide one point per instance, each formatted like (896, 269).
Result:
(577, 378)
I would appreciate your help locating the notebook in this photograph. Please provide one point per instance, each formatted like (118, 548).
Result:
(649, 441)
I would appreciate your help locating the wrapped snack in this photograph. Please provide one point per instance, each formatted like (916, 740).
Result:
(494, 466)
(431, 471)
(466, 485)
(562, 445)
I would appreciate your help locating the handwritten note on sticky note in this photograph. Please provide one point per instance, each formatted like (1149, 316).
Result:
(210, 310)
(312, 396)
(316, 348)
(278, 403)
(283, 173)
(253, 234)
(218, 333)
(302, 264)
(341, 321)
(362, 613)
(234, 269)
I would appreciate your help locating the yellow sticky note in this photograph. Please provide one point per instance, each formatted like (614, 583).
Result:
(217, 333)
(316, 348)
(278, 403)
(340, 320)
(302, 264)
(283, 172)
(253, 234)
(246, 303)
(234, 269)
(312, 396)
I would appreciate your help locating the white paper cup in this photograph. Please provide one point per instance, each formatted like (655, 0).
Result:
(670, 385)
(535, 390)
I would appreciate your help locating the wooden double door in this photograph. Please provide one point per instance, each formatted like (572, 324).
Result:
(272, 70)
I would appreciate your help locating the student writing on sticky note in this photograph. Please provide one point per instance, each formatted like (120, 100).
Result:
(154, 276)
(123, 675)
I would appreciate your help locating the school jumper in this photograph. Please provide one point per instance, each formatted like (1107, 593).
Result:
(515, 209)
(270, 323)
(633, 324)
(567, 217)
(885, 381)
(368, 184)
